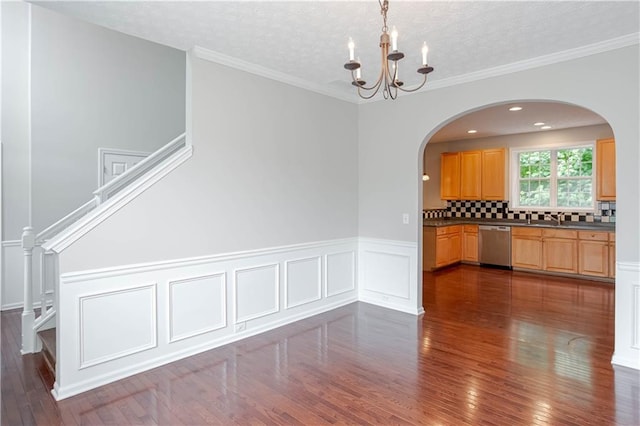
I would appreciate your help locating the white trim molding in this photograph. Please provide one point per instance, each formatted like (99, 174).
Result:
(194, 319)
(553, 58)
(219, 58)
(78, 229)
(627, 320)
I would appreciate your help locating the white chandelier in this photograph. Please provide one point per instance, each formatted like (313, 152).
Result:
(388, 78)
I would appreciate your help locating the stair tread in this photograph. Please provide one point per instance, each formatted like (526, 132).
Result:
(48, 338)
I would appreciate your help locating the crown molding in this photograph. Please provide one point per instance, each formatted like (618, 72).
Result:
(540, 61)
(219, 58)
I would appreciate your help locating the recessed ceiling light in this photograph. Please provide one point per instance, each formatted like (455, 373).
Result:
(539, 123)
(545, 127)
(472, 131)
(515, 108)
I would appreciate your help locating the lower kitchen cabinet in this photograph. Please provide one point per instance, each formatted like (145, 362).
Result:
(442, 246)
(560, 251)
(470, 243)
(593, 250)
(612, 255)
(526, 248)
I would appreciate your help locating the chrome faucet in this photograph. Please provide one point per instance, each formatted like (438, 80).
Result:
(558, 217)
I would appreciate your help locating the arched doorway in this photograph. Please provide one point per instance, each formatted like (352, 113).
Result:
(513, 126)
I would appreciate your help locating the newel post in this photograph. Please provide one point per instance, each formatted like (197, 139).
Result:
(28, 316)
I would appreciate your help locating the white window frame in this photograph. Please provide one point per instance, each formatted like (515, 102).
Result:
(515, 177)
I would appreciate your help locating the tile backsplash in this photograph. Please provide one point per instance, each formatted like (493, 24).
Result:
(605, 212)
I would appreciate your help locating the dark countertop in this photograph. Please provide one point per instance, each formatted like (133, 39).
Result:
(593, 226)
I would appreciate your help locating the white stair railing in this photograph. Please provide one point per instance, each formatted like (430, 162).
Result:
(110, 188)
(48, 259)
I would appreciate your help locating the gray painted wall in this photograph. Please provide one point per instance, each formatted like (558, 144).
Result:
(390, 173)
(90, 87)
(273, 165)
(93, 87)
(431, 188)
(15, 118)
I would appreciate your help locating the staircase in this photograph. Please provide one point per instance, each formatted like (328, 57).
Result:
(38, 332)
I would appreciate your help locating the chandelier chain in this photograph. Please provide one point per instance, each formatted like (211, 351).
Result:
(384, 7)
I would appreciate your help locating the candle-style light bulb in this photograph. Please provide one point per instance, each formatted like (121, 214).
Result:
(358, 72)
(351, 49)
(425, 50)
(394, 39)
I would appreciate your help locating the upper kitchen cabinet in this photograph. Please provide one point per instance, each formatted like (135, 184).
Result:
(606, 170)
(470, 171)
(493, 183)
(450, 176)
(473, 175)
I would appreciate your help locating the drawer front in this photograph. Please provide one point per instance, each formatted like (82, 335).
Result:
(526, 232)
(560, 233)
(455, 229)
(593, 235)
(471, 229)
(612, 237)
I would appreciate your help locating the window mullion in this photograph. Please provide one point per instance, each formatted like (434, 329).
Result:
(553, 179)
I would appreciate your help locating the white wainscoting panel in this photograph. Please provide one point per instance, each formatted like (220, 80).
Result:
(303, 281)
(388, 274)
(197, 305)
(627, 321)
(117, 324)
(256, 292)
(340, 272)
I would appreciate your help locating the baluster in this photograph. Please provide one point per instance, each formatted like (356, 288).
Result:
(28, 316)
(43, 283)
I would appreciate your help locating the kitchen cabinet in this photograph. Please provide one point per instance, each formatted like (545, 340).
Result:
(442, 246)
(450, 176)
(560, 250)
(493, 172)
(470, 243)
(473, 175)
(470, 175)
(526, 248)
(593, 253)
(612, 254)
(606, 170)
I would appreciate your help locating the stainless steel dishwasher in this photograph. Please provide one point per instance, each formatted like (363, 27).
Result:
(495, 245)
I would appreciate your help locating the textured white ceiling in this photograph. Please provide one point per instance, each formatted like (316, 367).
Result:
(307, 40)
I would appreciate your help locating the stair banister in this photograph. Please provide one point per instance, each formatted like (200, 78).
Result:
(53, 238)
(102, 194)
(28, 315)
(58, 226)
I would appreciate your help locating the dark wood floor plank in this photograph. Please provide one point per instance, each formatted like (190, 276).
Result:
(494, 347)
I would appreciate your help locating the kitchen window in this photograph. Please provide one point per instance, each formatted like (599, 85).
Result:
(557, 179)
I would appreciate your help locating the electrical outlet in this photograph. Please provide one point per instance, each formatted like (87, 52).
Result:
(241, 326)
(405, 218)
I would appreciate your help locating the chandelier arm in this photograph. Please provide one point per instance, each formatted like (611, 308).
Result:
(415, 88)
(376, 85)
(371, 95)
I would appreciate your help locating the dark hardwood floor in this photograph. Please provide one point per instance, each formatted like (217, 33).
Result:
(494, 347)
